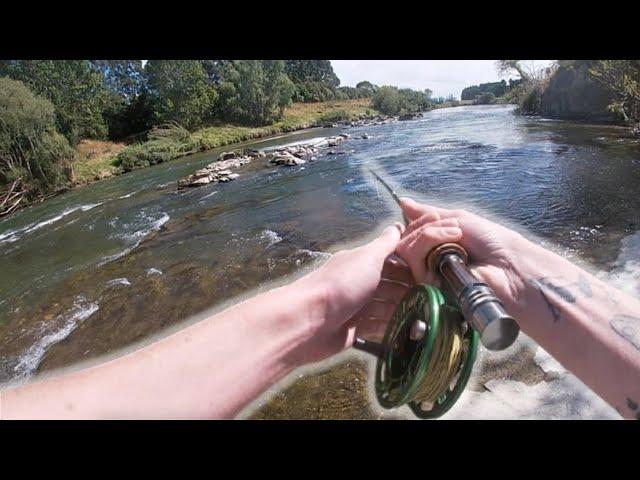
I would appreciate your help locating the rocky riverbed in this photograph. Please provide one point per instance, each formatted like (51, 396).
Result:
(222, 170)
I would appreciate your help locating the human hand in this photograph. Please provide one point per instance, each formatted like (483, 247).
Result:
(493, 249)
(360, 289)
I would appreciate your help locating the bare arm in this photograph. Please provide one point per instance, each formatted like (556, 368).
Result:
(590, 327)
(216, 367)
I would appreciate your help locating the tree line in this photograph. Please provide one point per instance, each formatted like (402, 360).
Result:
(488, 92)
(48, 106)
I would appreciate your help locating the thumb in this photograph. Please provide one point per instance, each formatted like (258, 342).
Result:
(385, 244)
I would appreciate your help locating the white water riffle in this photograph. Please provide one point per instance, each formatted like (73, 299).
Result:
(136, 237)
(15, 235)
(64, 324)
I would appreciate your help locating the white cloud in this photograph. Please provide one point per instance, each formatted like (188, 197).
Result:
(443, 77)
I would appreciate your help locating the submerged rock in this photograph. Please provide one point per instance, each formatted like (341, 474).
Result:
(410, 116)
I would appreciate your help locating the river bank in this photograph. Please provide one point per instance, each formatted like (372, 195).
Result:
(97, 160)
(299, 116)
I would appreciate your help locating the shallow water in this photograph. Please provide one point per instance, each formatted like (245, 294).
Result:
(103, 266)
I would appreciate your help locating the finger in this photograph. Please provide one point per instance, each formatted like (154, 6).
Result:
(383, 246)
(423, 222)
(394, 270)
(413, 209)
(414, 250)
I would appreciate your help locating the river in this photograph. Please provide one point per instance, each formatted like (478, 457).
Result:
(107, 265)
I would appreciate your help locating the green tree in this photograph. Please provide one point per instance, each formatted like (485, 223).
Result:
(393, 101)
(128, 109)
(179, 92)
(387, 100)
(300, 71)
(257, 92)
(32, 153)
(623, 78)
(76, 90)
(121, 77)
(217, 70)
(367, 87)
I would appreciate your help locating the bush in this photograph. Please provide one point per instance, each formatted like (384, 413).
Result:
(73, 87)
(387, 100)
(531, 100)
(486, 98)
(391, 101)
(166, 142)
(30, 146)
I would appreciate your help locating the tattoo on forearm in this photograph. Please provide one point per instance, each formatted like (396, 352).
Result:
(627, 327)
(555, 312)
(633, 406)
(559, 290)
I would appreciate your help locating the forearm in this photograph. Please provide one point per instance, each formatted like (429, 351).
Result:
(591, 328)
(209, 370)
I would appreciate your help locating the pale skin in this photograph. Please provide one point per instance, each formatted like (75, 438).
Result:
(214, 368)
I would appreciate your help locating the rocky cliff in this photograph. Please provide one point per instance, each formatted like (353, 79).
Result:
(573, 94)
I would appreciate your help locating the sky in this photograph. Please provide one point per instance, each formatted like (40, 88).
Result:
(442, 77)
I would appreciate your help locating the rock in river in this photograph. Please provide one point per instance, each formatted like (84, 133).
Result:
(215, 172)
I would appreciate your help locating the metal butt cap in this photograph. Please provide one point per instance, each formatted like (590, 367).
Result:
(486, 314)
(501, 332)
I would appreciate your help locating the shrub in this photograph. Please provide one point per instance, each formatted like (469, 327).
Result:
(485, 98)
(166, 142)
(30, 146)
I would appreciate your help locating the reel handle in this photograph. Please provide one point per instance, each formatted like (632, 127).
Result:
(479, 304)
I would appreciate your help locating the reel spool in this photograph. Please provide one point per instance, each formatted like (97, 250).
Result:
(428, 354)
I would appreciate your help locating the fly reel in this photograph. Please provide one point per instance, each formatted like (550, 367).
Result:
(431, 341)
(432, 338)
(427, 356)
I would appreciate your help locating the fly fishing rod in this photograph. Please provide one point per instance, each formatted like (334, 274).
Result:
(431, 341)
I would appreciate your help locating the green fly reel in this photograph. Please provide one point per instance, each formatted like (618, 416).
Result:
(428, 354)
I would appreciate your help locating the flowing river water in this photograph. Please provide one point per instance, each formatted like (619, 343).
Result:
(107, 265)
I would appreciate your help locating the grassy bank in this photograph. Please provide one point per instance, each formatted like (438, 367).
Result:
(94, 160)
(97, 160)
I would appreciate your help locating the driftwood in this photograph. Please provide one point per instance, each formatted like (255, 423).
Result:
(12, 198)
